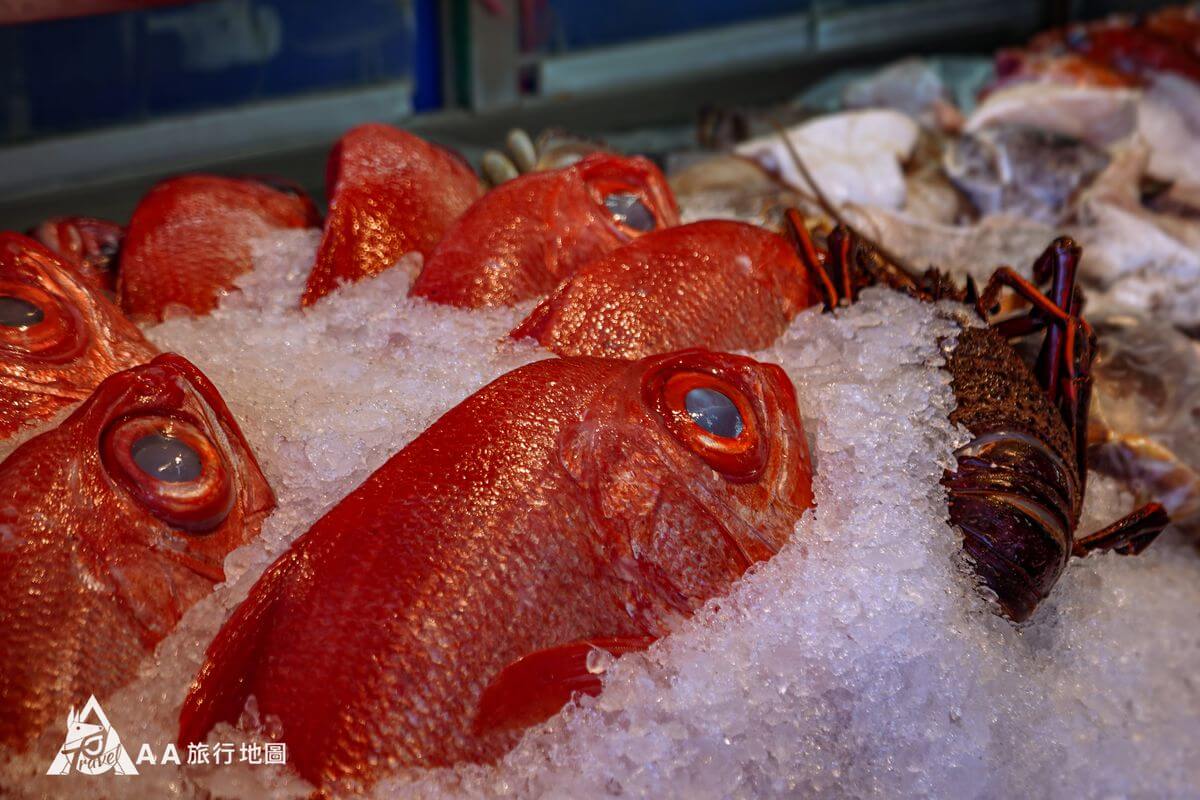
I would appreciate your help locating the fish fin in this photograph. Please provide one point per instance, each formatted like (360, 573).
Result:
(540, 318)
(337, 259)
(535, 687)
(227, 677)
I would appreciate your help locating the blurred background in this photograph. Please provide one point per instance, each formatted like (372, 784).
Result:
(102, 98)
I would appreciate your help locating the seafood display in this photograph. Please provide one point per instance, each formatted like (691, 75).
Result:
(116, 522)
(800, 459)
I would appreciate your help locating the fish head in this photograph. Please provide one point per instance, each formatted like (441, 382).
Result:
(58, 337)
(88, 244)
(631, 193)
(136, 498)
(689, 448)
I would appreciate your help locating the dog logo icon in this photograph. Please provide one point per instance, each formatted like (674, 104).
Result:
(92, 746)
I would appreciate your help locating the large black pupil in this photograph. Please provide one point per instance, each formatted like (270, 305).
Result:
(714, 412)
(629, 210)
(18, 313)
(166, 458)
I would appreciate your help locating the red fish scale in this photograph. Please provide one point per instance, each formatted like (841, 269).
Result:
(716, 284)
(191, 237)
(550, 506)
(526, 235)
(90, 580)
(390, 193)
(95, 338)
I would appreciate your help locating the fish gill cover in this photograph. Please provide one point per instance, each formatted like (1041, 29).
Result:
(860, 661)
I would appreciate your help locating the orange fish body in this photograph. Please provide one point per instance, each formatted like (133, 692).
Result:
(191, 237)
(115, 523)
(526, 235)
(86, 243)
(569, 500)
(390, 193)
(716, 284)
(59, 337)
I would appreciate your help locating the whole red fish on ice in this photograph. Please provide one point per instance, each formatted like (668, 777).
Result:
(59, 337)
(390, 193)
(114, 524)
(191, 236)
(716, 284)
(570, 502)
(526, 235)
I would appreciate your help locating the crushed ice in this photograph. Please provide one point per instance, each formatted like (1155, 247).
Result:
(860, 661)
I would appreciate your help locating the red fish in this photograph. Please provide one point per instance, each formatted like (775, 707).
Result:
(528, 234)
(114, 524)
(88, 244)
(390, 193)
(717, 284)
(568, 501)
(58, 337)
(191, 236)
(1123, 46)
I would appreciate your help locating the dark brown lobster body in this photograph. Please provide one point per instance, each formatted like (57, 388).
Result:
(1015, 494)
(1017, 490)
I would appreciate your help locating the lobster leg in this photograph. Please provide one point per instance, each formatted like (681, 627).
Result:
(1065, 354)
(850, 264)
(802, 241)
(1129, 535)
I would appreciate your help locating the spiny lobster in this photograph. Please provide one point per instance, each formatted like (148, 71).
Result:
(1017, 490)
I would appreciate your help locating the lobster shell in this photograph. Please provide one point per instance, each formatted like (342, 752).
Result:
(1014, 494)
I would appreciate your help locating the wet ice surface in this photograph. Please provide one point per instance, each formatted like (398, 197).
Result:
(860, 661)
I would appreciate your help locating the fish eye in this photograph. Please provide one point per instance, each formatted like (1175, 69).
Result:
(17, 312)
(36, 323)
(166, 458)
(714, 412)
(629, 210)
(172, 467)
(713, 416)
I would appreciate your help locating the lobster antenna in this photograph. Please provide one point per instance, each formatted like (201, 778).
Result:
(828, 207)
